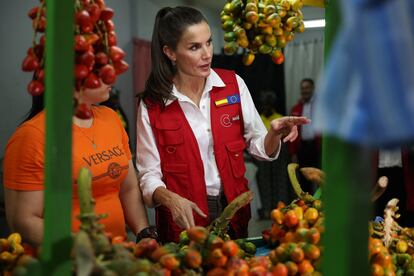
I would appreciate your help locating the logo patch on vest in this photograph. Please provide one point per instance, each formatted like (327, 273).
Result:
(232, 99)
(225, 120)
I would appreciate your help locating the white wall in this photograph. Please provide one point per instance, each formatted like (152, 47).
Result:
(144, 15)
(16, 30)
(123, 27)
(304, 64)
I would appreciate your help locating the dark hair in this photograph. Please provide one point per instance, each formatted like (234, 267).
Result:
(170, 23)
(308, 80)
(37, 106)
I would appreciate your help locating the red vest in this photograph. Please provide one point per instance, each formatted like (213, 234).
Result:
(181, 164)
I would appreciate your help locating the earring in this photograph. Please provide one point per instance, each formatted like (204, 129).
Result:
(173, 63)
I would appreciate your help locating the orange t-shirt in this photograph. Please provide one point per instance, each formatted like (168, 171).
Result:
(108, 162)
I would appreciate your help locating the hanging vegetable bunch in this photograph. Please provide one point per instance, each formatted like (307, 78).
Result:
(260, 26)
(96, 55)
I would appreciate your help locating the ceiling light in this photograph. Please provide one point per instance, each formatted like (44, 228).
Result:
(317, 23)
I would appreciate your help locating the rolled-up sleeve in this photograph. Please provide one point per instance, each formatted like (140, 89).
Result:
(254, 129)
(148, 159)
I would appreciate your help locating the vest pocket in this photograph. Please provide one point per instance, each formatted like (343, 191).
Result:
(235, 153)
(176, 177)
(169, 132)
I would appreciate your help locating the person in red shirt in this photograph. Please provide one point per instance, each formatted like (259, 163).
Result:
(100, 144)
(306, 150)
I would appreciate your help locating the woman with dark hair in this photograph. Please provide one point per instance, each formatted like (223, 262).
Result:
(193, 125)
(100, 143)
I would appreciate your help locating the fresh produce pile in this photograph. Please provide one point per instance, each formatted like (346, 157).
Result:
(14, 255)
(96, 53)
(391, 247)
(296, 234)
(296, 230)
(201, 251)
(293, 243)
(98, 253)
(260, 26)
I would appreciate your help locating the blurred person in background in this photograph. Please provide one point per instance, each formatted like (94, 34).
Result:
(306, 150)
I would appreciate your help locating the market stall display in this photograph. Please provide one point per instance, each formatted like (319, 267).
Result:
(391, 246)
(97, 252)
(293, 244)
(260, 27)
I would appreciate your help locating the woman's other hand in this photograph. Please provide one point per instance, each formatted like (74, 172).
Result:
(181, 208)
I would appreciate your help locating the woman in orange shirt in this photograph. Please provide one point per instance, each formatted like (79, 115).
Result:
(100, 143)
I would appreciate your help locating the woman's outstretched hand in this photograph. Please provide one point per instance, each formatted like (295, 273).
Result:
(286, 127)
